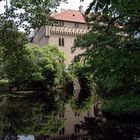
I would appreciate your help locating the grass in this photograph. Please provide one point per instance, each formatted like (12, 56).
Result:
(3, 82)
(4, 85)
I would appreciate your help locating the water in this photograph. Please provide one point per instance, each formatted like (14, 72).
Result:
(26, 138)
(51, 115)
(39, 116)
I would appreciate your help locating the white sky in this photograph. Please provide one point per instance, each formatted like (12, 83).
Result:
(2, 6)
(26, 137)
(72, 4)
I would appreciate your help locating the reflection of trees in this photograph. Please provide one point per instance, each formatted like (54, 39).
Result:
(84, 99)
(34, 115)
(114, 128)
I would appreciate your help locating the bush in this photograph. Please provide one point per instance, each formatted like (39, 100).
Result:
(37, 64)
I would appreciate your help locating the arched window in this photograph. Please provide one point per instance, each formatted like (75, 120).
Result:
(75, 40)
(59, 41)
(76, 129)
(62, 131)
(63, 42)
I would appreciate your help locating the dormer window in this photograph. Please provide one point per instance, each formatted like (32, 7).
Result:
(61, 23)
(76, 25)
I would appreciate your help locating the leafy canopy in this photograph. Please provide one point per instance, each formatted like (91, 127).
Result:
(112, 46)
(30, 13)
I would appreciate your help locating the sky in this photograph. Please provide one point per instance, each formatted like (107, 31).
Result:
(2, 6)
(72, 4)
(26, 137)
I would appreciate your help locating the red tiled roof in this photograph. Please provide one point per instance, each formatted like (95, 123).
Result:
(70, 15)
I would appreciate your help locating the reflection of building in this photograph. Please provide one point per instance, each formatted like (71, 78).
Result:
(71, 129)
(69, 24)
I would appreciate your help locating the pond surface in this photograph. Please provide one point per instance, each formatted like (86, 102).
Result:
(39, 116)
(26, 138)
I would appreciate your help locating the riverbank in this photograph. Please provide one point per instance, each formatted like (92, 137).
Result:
(4, 85)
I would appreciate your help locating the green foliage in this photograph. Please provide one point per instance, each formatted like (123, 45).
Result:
(2, 71)
(123, 106)
(23, 63)
(39, 116)
(36, 13)
(85, 98)
(3, 82)
(116, 69)
(30, 13)
(48, 63)
(112, 46)
(37, 64)
(12, 49)
(82, 105)
(112, 7)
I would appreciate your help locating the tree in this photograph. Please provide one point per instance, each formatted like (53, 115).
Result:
(47, 64)
(112, 52)
(112, 46)
(30, 13)
(35, 64)
(12, 47)
(20, 65)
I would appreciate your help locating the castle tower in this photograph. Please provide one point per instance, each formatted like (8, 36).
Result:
(68, 25)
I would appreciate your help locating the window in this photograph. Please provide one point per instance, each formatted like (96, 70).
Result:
(61, 115)
(61, 23)
(75, 41)
(76, 25)
(61, 42)
(62, 132)
(76, 114)
(76, 129)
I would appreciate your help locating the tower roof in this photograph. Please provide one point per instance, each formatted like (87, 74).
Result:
(70, 15)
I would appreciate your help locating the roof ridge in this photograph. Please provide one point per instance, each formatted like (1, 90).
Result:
(69, 15)
(64, 10)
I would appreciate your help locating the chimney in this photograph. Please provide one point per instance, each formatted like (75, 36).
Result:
(62, 10)
(81, 9)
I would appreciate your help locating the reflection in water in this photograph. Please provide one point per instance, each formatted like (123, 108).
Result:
(35, 115)
(38, 116)
(26, 137)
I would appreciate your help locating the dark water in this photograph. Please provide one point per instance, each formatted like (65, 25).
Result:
(38, 116)
(50, 115)
(26, 137)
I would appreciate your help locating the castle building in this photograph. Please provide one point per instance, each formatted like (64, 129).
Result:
(68, 25)
(71, 129)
